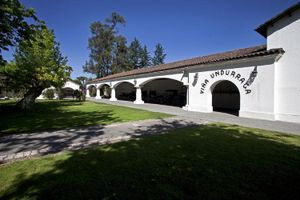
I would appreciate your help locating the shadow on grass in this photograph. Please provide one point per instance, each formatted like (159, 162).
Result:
(62, 139)
(203, 162)
(58, 121)
(54, 115)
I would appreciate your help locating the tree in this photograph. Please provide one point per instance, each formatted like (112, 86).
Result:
(49, 93)
(159, 55)
(14, 25)
(38, 64)
(120, 62)
(79, 95)
(81, 80)
(134, 54)
(115, 19)
(145, 58)
(101, 45)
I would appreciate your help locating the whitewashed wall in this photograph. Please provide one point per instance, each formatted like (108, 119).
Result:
(286, 34)
(257, 100)
(68, 84)
(71, 84)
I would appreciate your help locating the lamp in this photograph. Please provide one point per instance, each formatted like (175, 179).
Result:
(252, 76)
(254, 72)
(196, 77)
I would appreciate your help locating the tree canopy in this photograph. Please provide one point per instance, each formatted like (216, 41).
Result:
(159, 55)
(145, 57)
(102, 45)
(81, 80)
(110, 54)
(13, 24)
(38, 64)
(134, 54)
(120, 60)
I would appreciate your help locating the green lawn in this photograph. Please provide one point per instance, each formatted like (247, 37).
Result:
(214, 161)
(50, 115)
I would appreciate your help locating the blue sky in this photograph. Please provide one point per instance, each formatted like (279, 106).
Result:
(185, 28)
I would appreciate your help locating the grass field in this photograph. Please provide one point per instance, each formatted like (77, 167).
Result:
(51, 115)
(213, 161)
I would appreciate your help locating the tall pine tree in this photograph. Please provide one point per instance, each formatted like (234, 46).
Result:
(145, 58)
(134, 54)
(102, 44)
(159, 55)
(120, 62)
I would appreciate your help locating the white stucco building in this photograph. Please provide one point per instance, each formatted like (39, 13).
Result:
(69, 88)
(258, 82)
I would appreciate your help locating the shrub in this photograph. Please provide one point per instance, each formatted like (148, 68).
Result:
(77, 94)
(60, 93)
(49, 93)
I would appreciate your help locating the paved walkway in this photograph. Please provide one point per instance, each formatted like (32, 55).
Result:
(27, 145)
(285, 127)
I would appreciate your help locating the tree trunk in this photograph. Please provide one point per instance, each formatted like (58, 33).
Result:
(29, 97)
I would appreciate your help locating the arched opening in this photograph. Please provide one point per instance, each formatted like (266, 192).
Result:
(226, 98)
(164, 91)
(105, 91)
(125, 91)
(92, 91)
(68, 92)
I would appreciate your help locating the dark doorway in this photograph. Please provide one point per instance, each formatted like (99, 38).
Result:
(226, 98)
(125, 91)
(105, 91)
(68, 92)
(164, 91)
(92, 91)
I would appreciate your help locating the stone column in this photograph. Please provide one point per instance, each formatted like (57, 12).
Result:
(113, 94)
(187, 98)
(98, 94)
(87, 93)
(138, 99)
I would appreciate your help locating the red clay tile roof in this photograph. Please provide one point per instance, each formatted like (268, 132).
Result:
(214, 58)
(262, 29)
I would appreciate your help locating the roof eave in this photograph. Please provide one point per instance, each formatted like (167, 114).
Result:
(279, 51)
(262, 29)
